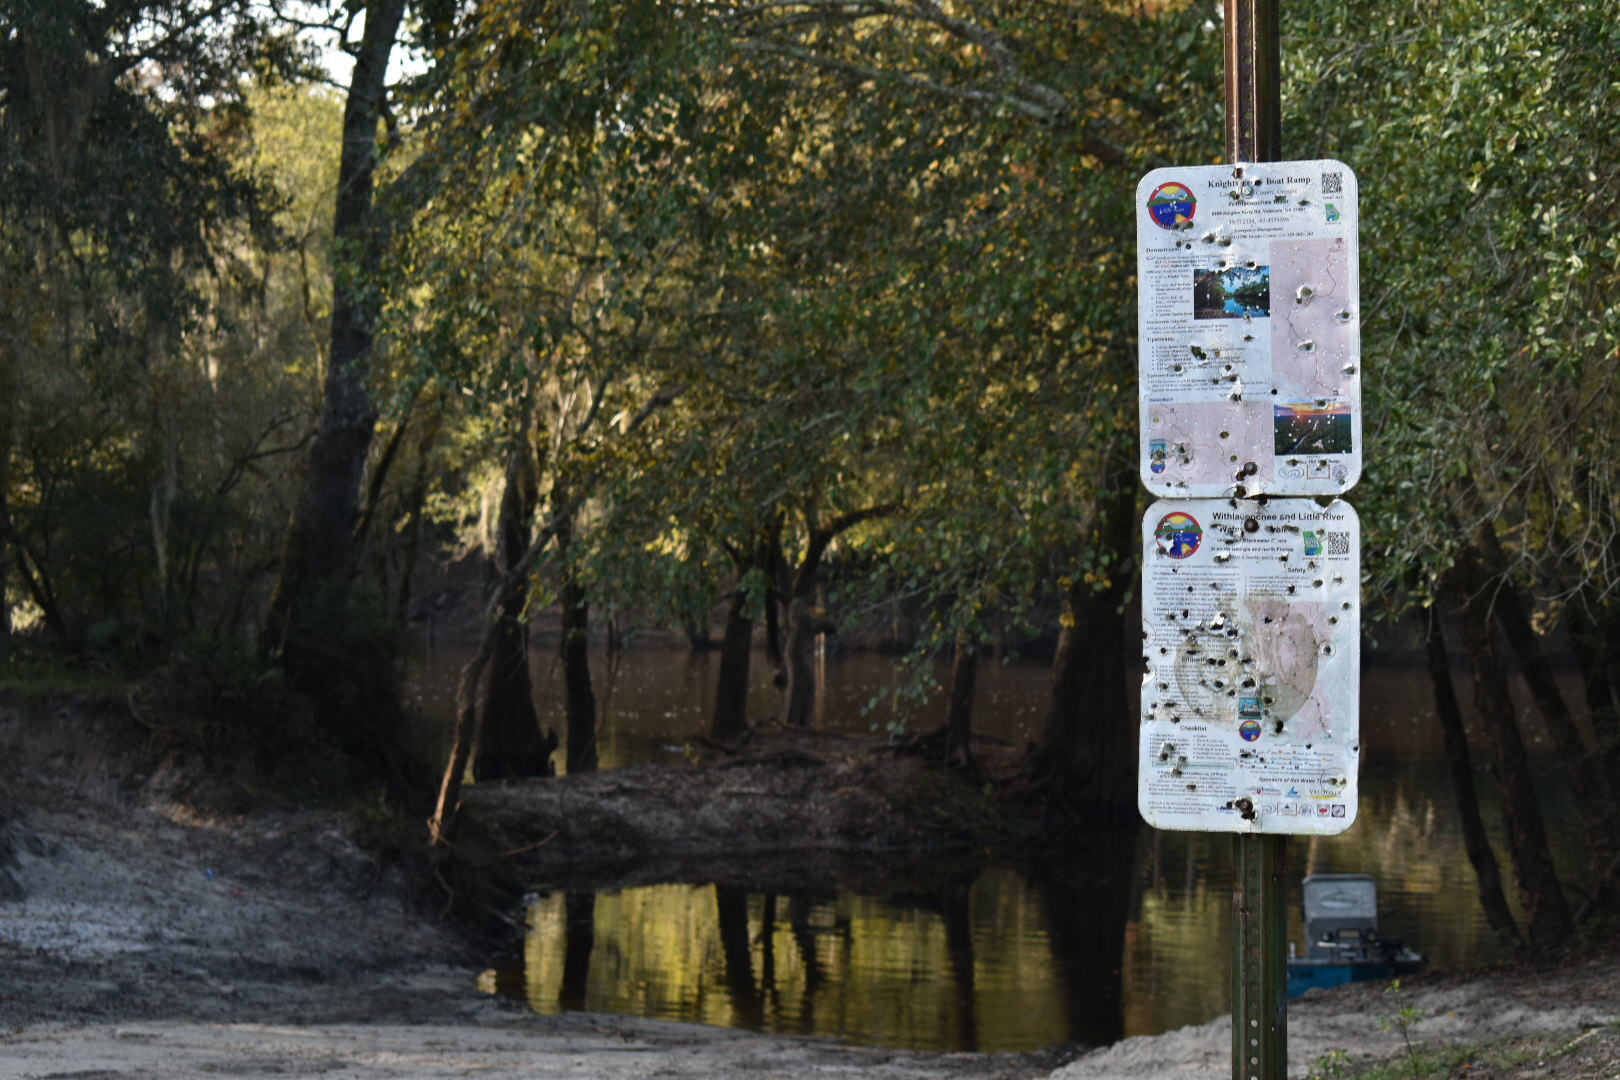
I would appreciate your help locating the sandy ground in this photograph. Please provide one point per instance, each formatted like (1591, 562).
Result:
(1562, 1002)
(140, 937)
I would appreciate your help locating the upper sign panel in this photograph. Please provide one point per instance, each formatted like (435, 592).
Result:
(1249, 329)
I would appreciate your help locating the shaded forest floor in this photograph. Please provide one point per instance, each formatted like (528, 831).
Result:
(151, 928)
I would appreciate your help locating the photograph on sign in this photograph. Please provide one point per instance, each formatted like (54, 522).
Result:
(1249, 329)
(1251, 615)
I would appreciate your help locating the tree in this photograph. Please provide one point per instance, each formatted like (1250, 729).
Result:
(969, 291)
(131, 225)
(1546, 911)
(509, 741)
(1503, 330)
(546, 227)
(1475, 840)
(313, 587)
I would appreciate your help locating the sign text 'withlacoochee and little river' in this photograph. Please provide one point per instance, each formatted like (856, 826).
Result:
(1250, 376)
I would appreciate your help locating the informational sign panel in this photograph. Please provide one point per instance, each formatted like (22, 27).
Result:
(1249, 329)
(1251, 615)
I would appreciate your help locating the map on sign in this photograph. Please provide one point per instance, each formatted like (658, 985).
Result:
(1251, 639)
(1249, 329)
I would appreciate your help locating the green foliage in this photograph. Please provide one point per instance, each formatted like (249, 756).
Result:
(1333, 1065)
(131, 226)
(870, 259)
(1486, 137)
(1403, 1020)
(217, 702)
(731, 272)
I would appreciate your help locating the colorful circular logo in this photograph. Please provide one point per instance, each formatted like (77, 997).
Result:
(1172, 204)
(1250, 730)
(1178, 534)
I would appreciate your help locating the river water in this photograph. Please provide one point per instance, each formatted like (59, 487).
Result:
(1003, 956)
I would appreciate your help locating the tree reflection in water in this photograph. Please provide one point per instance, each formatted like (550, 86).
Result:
(1030, 956)
(965, 958)
(579, 944)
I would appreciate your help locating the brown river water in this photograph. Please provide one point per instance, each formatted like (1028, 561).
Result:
(1009, 956)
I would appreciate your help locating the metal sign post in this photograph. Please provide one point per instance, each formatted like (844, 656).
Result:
(1259, 920)
(1249, 354)
(1259, 978)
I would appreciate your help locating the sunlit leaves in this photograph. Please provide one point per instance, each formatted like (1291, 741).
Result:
(1486, 142)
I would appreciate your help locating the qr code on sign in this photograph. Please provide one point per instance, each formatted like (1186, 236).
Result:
(1332, 183)
(1338, 543)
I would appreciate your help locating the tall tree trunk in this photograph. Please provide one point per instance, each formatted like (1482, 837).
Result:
(509, 740)
(737, 646)
(318, 554)
(1084, 765)
(1594, 632)
(1593, 797)
(799, 696)
(773, 639)
(446, 812)
(442, 825)
(1475, 841)
(952, 741)
(805, 621)
(698, 636)
(731, 688)
(959, 704)
(1546, 910)
(780, 577)
(574, 652)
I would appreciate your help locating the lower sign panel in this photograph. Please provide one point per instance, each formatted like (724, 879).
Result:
(1251, 618)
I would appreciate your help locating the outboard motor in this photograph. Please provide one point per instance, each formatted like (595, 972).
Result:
(1341, 919)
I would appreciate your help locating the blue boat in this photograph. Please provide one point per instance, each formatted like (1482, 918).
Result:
(1342, 940)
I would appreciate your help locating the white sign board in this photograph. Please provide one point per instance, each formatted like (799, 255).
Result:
(1251, 616)
(1249, 321)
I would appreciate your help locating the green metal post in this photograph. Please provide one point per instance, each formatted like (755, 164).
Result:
(1253, 81)
(1259, 970)
(1260, 888)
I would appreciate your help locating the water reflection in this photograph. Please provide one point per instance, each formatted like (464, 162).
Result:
(1090, 947)
(1000, 959)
